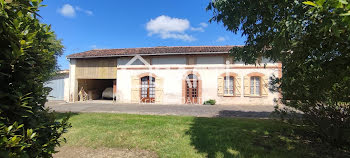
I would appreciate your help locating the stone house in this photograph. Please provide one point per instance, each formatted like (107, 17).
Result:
(171, 75)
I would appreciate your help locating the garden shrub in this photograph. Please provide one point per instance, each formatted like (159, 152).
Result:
(209, 102)
(310, 39)
(29, 50)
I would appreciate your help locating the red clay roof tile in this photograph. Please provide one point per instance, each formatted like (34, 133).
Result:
(150, 51)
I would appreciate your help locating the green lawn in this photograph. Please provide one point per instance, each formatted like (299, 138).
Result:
(177, 136)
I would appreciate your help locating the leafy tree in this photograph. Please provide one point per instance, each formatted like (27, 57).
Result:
(28, 58)
(311, 39)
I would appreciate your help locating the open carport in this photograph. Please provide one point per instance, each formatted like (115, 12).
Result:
(96, 89)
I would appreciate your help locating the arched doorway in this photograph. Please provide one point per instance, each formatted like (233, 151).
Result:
(192, 87)
(147, 89)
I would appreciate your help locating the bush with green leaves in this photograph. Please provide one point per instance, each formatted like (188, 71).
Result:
(210, 102)
(312, 40)
(28, 59)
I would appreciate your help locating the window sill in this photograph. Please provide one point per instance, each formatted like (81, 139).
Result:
(255, 96)
(231, 96)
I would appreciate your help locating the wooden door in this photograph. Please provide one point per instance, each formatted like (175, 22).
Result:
(147, 89)
(192, 89)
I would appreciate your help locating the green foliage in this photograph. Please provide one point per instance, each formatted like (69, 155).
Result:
(209, 102)
(311, 39)
(28, 58)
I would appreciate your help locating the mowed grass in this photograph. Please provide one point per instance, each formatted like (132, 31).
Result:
(178, 136)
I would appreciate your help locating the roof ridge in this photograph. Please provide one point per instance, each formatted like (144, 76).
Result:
(152, 50)
(166, 47)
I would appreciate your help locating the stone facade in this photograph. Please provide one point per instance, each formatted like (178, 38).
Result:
(170, 77)
(171, 82)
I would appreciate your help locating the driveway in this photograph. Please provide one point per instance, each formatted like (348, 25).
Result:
(158, 109)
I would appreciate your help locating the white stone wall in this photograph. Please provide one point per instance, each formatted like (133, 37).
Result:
(173, 78)
(73, 83)
(209, 87)
(172, 70)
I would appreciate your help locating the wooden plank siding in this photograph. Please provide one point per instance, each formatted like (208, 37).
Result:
(96, 68)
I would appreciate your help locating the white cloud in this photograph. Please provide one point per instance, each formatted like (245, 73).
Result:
(184, 37)
(200, 29)
(168, 27)
(221, 39)
(203, 24)
(67, 10)
(88, 12)
(165, 23)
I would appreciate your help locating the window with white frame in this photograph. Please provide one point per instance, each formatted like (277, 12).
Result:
(228, 85)
(255, 85)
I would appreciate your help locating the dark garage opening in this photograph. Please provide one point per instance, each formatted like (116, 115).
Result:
(96, 89)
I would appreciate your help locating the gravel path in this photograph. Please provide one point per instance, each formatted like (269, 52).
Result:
(158, 109)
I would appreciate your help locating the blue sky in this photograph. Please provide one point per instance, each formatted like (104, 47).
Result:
(89, 24)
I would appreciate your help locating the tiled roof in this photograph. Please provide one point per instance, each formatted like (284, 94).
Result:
(151, 51)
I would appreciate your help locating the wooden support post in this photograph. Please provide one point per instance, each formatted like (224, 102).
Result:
(114, 90)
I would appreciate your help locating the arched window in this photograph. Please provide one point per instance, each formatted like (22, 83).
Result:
(192, 76)
(192, 89)
(147, 89)
(255, 85)
(228, 85)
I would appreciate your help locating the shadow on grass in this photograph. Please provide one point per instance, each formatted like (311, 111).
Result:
(225, 137)
(61, 115)
(243, 114)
